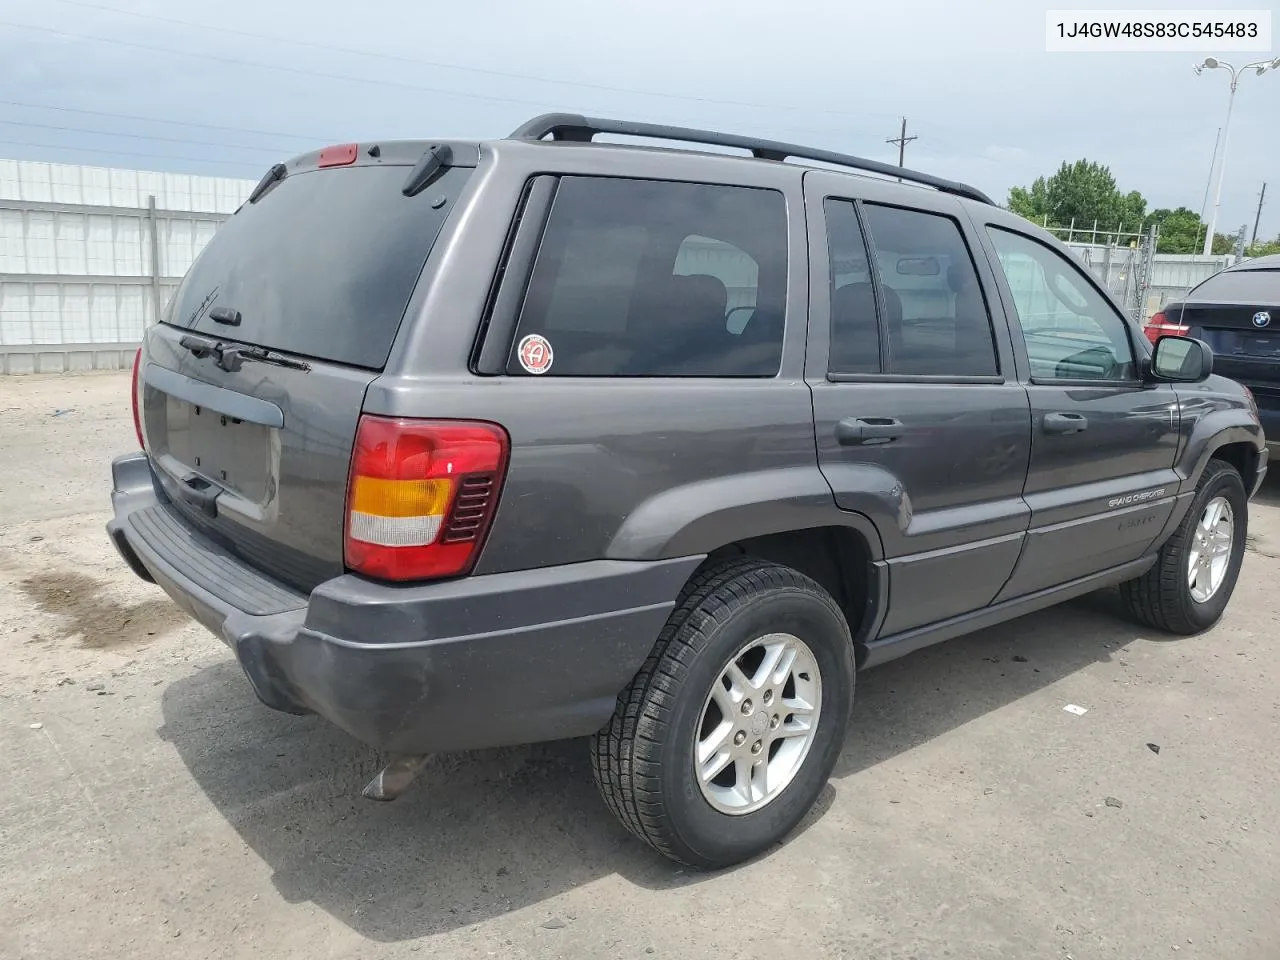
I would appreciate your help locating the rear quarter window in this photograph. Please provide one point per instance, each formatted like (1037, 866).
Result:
(653, 278)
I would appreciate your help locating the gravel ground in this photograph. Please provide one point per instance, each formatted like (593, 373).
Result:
(150, 807)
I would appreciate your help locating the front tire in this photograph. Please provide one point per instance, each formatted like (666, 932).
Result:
(729, 732)
(1191, 583)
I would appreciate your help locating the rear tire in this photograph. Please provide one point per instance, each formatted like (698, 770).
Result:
(772, 647)
(1173, 597)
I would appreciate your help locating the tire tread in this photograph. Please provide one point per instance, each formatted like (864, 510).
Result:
(625, 753)
(1155, 598)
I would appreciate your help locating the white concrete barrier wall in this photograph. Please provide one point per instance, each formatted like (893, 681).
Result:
(78, 278)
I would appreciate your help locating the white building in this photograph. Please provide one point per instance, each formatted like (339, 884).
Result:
(88, 255)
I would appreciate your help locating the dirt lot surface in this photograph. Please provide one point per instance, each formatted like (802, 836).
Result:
(150, 807)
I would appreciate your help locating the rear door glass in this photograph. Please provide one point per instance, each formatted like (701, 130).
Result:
(322, 265)
(935, 316)
(855, 333)
(654, 278)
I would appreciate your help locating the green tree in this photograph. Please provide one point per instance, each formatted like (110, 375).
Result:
(1181, 230)
(1083, 192)
(1132, 209)
(1030, 202)
(1263, 248)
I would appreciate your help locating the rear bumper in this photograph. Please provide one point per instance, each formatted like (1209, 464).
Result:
(479, 662)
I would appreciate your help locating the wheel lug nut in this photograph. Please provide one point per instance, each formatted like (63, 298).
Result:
(740, 738)
(773, 722)
(746, 706)
(757, 747)
(768, 697)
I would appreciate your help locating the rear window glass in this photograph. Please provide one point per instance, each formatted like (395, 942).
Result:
(1260, 287)
(323, 265)
(649, 278)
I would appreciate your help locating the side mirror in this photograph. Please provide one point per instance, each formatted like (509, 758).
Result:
(1181, 360)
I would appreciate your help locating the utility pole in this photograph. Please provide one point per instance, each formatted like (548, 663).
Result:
(1261, 198)
(902, 140)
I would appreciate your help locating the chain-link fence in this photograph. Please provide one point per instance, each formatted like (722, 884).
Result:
(1142, 280)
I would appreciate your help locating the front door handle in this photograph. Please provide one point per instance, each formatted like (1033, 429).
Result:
(1065, 423)
(852, 431)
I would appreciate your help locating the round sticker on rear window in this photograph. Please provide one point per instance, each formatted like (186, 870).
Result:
(535, 354)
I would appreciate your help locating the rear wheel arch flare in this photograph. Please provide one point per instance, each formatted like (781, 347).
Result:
(840, 559)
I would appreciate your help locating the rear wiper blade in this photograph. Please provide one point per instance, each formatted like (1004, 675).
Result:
(231, 356)
(437, 157)
(273, 176)
(200, 347)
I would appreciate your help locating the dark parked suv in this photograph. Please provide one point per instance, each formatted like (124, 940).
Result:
(468, 444)
(1237, 312)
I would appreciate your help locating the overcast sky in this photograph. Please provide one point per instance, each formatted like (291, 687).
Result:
(989, 105)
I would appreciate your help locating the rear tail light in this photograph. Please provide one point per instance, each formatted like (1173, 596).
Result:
(421, 496)
(137, 401)
(1159, 326)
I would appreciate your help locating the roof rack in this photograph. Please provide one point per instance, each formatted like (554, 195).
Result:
(569, 126)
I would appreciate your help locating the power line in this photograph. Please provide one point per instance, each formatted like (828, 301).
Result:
(453, 66)
(280, 68)
(348, 78)
(138, 136)
(716, 101)
(345, 78)
(177, 123)
(124, 116)
(123, 153)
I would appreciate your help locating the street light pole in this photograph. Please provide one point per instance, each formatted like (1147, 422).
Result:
(1261, 67)
(1222, 166)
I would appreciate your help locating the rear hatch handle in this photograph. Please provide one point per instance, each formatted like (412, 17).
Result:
(231, 356)
(199, 493)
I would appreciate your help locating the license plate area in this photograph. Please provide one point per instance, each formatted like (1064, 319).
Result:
(1243, 343)
(1260, 345)
(228, 452)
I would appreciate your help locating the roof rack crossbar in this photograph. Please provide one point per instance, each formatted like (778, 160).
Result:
(573, 127)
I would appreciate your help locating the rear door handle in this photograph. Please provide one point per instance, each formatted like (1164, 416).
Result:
(1065, 423)
(852, 431)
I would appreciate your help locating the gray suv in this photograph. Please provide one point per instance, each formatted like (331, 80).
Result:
(464, 444)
